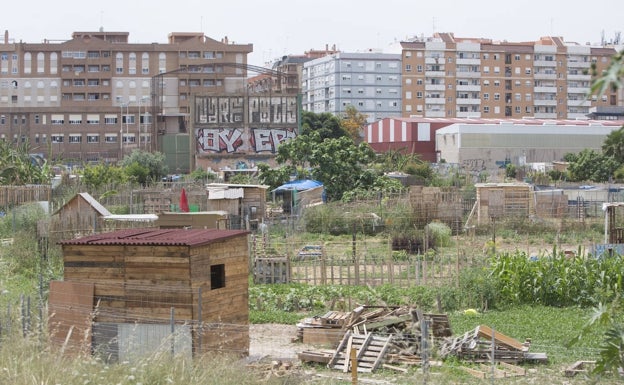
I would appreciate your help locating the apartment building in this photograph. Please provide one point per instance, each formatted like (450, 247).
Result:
(96, 96)
(371, 82)
(446, 77)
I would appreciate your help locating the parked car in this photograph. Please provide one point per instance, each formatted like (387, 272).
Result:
(310, 252)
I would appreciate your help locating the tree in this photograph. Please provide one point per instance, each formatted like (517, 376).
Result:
(100, 175)
(590, 165)
(153, 162)
(613, 145)
(352, 122)
(327, 125)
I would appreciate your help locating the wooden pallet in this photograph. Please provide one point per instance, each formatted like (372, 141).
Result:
(370, 352)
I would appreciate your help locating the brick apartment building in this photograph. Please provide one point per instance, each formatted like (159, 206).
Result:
(96, 97)
(449, 77)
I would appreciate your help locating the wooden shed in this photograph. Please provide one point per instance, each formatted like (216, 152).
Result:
(246, 204)
(150, 285)
(496, 201)
(82, 214)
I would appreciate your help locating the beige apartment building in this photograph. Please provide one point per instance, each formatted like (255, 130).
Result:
(97, 97)
(449, 77)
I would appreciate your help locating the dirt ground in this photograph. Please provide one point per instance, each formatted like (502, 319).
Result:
(274, 341)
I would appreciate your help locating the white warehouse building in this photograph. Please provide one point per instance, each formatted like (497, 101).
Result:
(483, 145)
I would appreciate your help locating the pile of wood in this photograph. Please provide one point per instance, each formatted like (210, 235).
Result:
(381, 336)
(479, 344)
(385, 336)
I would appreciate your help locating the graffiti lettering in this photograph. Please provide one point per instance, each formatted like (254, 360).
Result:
(268, 140)
(473, 164)
(219, 140)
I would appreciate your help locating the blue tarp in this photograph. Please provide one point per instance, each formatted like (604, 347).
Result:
(299, 185)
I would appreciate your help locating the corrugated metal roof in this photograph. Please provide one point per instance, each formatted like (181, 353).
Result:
(157, 237)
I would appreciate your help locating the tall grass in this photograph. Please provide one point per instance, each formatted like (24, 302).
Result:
(25, 361)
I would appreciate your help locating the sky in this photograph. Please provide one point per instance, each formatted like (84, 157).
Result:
(282, 27)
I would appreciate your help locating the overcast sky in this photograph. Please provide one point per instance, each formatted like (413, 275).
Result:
(282, 27)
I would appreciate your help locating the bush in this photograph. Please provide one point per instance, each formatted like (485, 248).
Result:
(439, 234)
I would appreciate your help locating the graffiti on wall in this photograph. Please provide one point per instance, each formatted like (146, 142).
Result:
(267, 140)
(219, 109)
(231, 109)
(219, 140)
(236, 140)
(273, 109)
(473, 164)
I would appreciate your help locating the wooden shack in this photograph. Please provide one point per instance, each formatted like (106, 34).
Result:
(152, 284)
(496, 201)
(81, 215)
(246, 204)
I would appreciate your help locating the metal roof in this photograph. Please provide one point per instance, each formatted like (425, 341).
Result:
(157, 237)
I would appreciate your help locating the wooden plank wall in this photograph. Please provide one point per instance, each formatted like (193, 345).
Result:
(226, 305)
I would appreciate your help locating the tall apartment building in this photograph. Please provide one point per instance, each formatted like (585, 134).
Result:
(446, 76)
(96, 97)
(371, 82)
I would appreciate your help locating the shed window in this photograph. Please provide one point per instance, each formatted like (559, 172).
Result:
(217, 276)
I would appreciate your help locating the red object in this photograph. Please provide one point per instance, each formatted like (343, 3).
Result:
(184, 207)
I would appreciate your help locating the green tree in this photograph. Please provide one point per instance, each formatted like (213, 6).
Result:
(97, 176)
(154, 162)
(591, 165)
(327, 125)
(613, 145)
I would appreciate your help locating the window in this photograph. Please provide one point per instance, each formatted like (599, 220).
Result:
(419, 68)
(486, 69)
(93, 119)
(75, 138)
(93, 138)
(527, 71)
(119, 63)
(37, 119)
(110, 119)
(419, 95)
(408, 68)
(419, 82)
(486, 96)
(217, 276)
(57, 119)
(497, 96)
(486, 109)
(408, 95)
(56, 138)
(75, 119)
(517, 57)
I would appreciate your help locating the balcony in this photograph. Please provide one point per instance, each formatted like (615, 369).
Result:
(435, 100)
(579, 64)
(431, 60)
(434, 113)
(471, 62)
(579, 103)
(435, 87)
(545, 115)
(435, 74)
(544, 102)
(577, 115)
(464, 101)
(578, 90)
(545, 63)
(541, 75)
(579, 77)
(468, 114)
(545, 89)
(471, 88)
(468, 74)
